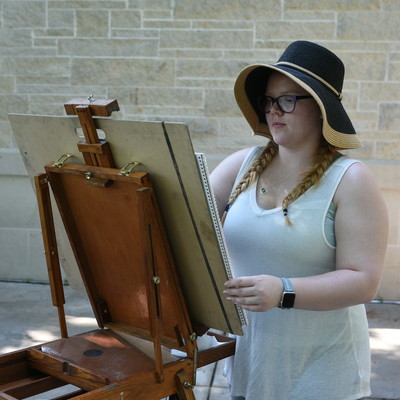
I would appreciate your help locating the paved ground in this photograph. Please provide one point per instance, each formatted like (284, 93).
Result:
(27, 318)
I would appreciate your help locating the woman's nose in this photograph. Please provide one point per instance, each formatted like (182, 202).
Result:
(275, 108)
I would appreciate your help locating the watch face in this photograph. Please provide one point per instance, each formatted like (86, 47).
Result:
(288, 300)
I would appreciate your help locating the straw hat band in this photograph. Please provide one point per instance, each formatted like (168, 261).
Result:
(338, 94)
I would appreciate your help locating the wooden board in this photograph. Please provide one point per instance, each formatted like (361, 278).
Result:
(110, 230)
(164, 150)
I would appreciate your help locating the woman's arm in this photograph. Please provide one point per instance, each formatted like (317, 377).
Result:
(361, 227)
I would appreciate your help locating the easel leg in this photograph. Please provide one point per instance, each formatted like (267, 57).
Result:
(183, 385)
(50, 246)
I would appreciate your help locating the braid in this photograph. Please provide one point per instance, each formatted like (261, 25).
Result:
(312, 177)
(258, 166)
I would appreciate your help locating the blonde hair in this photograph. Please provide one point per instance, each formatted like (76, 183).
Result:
(312, 177)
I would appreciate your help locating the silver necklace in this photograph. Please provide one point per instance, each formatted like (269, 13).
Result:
(264, 189)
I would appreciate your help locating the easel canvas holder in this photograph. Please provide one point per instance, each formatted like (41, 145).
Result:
(117, 233)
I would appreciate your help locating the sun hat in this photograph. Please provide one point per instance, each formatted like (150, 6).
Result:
(317, 70)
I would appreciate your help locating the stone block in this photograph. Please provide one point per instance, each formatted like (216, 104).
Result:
(394, 72)
(7, 84)
(92, 23)
(24, 14)
(227, 10)
(126, 19)
(37, 66)
(85, 4)
(122, 93)
(13, 104)
(345, 5)
(388, 177)
(210, 39)
(379, 91)
(390, 5)
(364, 66)
(45, 42)
(157, 14)
(364, 121)
(388, 150)
(5, 134)
(389, 117)
(367, 25)
(48, 108)
(221, 103)
(123, 72)
(110, 48)
(61, 18)
(166, 24)
(350, 99)
(11, 163)
(55, 32)
(395, 56)
(203, 130)
(14, 38)
(225, 25)
(150, 4)
(292, 30)
(172, 97)
(309, 15)
(212, 69)
(367, 151)
(135, 33)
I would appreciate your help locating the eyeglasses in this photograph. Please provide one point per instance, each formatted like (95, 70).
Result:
(286, 102)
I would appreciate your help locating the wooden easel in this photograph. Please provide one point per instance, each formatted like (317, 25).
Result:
(119, 240)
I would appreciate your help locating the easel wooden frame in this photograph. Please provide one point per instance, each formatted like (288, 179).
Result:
(32, 370)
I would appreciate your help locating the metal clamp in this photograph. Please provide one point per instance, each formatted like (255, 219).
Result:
(61, 161)
(126, 171)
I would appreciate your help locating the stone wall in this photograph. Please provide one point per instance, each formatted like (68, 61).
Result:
(177, 60)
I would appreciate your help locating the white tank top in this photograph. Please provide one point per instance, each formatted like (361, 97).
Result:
(294, 354)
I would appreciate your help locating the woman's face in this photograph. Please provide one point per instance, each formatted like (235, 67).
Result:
(297, 129)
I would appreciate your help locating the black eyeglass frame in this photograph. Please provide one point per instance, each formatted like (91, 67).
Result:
(261, 102)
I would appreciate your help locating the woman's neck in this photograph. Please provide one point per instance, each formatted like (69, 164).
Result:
(299, 160)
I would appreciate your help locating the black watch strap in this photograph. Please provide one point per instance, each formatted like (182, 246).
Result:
(288, 295)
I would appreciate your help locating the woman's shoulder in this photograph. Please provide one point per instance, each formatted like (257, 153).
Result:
(358, 182)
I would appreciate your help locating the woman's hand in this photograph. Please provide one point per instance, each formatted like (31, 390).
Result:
(255, 293)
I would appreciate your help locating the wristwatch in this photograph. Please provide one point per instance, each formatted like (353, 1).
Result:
(288, 295)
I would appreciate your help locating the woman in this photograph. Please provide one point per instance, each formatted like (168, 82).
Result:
(306, 229)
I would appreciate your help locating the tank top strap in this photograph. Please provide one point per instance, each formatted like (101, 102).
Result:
(333, 176)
